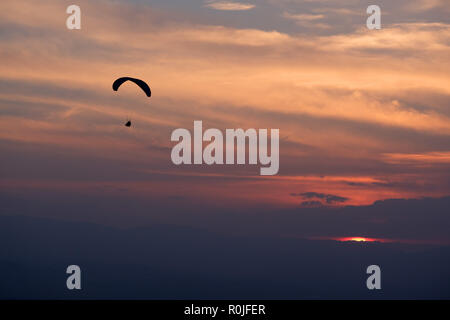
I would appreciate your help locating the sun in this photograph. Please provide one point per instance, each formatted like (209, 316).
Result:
(357, 239)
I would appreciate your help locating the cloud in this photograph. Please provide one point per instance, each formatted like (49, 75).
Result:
(328, 198)
(423, 158)
(307, 20)
(424, 219)
(171, 257)
(396, 37)
(228, 5)
(426, 5)
(342, 100)
(311, 204)
(303, 17)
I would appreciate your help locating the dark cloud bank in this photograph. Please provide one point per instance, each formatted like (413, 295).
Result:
(167, 261)
(321, 198)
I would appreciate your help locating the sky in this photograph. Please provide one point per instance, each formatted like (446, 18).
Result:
(363, 114)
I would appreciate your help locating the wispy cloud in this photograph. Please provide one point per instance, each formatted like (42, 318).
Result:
(425, 5)
(423, 158)
(303, 17)
(307, 20)
(228, 5)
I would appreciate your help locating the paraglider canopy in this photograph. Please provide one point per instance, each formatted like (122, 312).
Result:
(144, 86)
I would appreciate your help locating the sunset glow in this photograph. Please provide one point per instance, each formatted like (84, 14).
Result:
(358, 122)
(358, 239)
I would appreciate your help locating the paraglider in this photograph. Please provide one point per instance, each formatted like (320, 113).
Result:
(144, 86)
(141, 84)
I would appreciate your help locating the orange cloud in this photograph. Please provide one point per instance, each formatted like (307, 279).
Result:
(229, 5)
(340, 101)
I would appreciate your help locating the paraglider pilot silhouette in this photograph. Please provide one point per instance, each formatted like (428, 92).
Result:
(141, 84)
